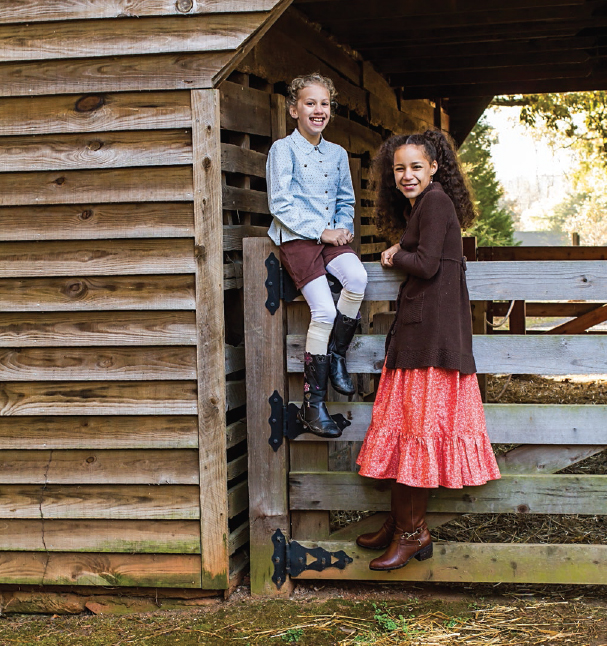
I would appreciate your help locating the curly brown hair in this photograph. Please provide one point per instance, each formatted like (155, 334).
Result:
(300, 82)
(392, 207)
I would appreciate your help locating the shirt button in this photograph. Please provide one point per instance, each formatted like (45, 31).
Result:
(326, 208)
(305, 165)
(326, 191)
(326, 176)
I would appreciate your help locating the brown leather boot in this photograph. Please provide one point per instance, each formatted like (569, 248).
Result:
(380, 539)
(411, 536)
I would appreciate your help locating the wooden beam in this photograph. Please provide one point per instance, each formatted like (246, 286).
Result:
(40, 10)
(99, 432)
(542, 253)
(494, 354)
(534, 494)
(546, 424)
(478, 563)
(112, 74)
(542, 280)
(581, 323)
(208, 229)
(264, 343)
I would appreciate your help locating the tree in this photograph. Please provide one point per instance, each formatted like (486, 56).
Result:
(494, 226)
(571, 119)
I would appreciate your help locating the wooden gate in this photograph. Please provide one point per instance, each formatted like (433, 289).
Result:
(293, 490)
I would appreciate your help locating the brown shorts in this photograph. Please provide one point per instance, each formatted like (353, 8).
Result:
(306, 260)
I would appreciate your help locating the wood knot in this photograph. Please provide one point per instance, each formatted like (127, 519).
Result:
(184, 5)
(523, 509)
(214, 401)
(87, 214)
(59, 181)
(75, 289)
(206, 163)
(200, 251)
(91, 459)
(89, 103)
(95, 145)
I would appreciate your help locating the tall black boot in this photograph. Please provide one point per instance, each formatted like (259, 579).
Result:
(341, 337)
(314, 414)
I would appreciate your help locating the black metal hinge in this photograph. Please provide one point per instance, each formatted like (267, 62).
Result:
(279, 284)
(284, 422)
(292, 558)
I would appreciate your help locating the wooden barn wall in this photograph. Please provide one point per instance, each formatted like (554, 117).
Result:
(111, 469)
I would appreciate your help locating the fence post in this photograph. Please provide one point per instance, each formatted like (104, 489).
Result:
(265, 369)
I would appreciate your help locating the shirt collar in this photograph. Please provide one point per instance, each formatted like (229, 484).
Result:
(305, 145)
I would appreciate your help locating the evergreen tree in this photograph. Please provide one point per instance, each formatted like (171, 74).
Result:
(494, 226)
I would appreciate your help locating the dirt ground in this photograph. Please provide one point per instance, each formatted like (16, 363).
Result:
(348, 615)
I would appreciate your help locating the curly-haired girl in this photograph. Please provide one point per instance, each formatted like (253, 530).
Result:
(311, 197)
(428, 426)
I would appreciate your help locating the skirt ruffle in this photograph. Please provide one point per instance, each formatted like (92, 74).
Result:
(428, 430)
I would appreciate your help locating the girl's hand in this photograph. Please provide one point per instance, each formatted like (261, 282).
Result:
(388, 254)
(336, 237)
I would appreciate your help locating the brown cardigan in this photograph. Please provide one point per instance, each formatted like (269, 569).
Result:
(433, 324)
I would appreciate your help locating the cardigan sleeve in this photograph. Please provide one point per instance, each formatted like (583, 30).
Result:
(434, 215)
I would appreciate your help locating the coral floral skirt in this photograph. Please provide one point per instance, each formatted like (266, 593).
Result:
(428, 430)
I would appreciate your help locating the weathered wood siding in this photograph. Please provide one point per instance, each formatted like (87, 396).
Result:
(112, 276)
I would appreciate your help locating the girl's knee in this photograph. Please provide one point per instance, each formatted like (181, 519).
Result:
(324, 314)
(357, 280)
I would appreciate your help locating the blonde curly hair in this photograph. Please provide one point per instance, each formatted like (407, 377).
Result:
(300, 82)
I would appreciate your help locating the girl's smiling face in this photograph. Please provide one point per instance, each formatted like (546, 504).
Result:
(312, 111)
(412, 170)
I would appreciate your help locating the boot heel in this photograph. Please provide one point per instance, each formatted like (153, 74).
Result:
(424, 554)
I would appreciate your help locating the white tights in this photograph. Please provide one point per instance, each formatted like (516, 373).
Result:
(349, 270)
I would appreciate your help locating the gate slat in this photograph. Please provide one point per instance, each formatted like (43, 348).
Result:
(510, 280)
(535, 494)
(506, 423)
(543, 355)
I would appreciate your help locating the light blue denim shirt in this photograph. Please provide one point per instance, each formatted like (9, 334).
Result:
(309, 189)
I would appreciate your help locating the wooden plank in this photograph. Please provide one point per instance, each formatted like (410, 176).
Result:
(533, 494)
(236, 394)
(479, 563)
(373, 247)
(377, 85)
(96, 221)
(112, 74)
(542, 253)
(97, 293)
(233, 235)
(237, 467)
(98, 398)
(238, 499)
(99, 467)
(245, 109)
(98, 258)
(156, 184)
(100, 150)
(128, 36)
(43, 115)
(245, 199)
(97, 364)
(506, 423)
(40, 10)
(581, 323)
(539, 458)
(212, 401)
(131, 536)
(98, 502)
(156, 570)
(235, 159)
(239, 537)
(555, 309)
(268, 507)
(353, 136)
(498, 354)
(236, 433)
(73, 329)
(92, 432)
(542, 280)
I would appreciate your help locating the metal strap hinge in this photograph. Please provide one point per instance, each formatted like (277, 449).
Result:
(279, 285)
(291, 558)
(284, 422)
